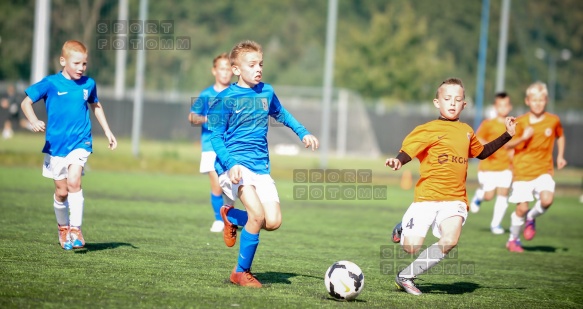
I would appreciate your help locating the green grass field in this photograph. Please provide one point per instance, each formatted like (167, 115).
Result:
(147, 220)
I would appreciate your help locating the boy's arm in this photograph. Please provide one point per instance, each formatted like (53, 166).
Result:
(218, 117)
(196, 119)
(197, 111)
(396, 163)
(36, 124)
(561, 162)
(100, 115)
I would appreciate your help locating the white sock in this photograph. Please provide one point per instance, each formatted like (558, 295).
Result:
(76, 202)
(479, 196)
(427, 259)
(536, 211)
(516, 223)
(61, 211)
(499, 210)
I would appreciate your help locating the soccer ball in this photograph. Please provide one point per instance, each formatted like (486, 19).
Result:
(344, 280)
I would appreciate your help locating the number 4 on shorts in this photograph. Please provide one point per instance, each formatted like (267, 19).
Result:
(410, 224)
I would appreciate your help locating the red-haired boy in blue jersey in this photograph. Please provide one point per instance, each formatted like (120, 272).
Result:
(68, 96)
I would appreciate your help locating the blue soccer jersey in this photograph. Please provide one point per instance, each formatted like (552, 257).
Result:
(68, 125)
(200, 107)
(239, 119)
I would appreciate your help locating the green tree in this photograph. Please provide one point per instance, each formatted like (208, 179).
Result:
(393, 57)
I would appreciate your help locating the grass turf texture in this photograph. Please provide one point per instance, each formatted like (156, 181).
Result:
(149, 245)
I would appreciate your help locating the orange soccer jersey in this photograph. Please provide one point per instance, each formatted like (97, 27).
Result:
(443, 148)
(488, 131)
(534, 157)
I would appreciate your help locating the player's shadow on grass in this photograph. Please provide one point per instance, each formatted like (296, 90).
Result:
(103, 246)
(550, 249)
(454, 288)
(278, 277)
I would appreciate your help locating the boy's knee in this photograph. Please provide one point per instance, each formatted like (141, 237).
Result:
(61, 194)
(272, 225)
(74, 184)
(489, 195)
(447, 244)
(521, 209)
(411, 249)
(546, 202)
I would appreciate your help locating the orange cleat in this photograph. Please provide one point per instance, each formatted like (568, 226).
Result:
(65, 237)
(77, 237)
(244, 278)
(230, 230)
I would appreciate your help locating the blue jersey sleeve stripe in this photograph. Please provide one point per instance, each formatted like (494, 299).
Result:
(218, 118)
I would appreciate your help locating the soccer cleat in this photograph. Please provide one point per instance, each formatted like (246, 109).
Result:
(529, 229)
(497, 230)
(407, 285)
(397, 233)
(77, 237)
(514, 246)
(217, 226)
(230, 230)
(65, 237)
(244, 278)
(7, 134)
(475, 206)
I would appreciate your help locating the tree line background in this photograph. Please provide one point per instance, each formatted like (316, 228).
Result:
(392, 52)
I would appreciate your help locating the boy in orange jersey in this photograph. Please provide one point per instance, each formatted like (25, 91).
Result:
(494, 174)
(533, 164)
(443, 147)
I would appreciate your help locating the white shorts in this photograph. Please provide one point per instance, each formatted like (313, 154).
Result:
(57, 168)
(264, 186)
(492, 180)
(207, 161)
(421, 215)
(527, 191)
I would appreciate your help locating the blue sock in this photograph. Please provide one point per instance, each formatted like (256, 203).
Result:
(248, 246)
(237, 217)
(217, 203)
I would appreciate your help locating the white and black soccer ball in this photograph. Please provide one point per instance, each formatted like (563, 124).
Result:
(344, 280)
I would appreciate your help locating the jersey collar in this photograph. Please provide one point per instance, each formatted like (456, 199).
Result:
(445, 119)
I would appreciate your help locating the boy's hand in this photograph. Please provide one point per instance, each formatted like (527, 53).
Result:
(511, 125)
(236, 173)
(311, 140)
(37, 126)
(393, 163)
(112, 140)
(561, 162)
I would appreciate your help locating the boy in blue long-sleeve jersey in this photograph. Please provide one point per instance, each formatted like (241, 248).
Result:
(239, 119)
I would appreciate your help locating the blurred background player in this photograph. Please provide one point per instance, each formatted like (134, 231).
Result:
(533, 165)
(198, 116)
(68, 95)
(11, 104)
(442, 147)
(239, 125)
(494, 172)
